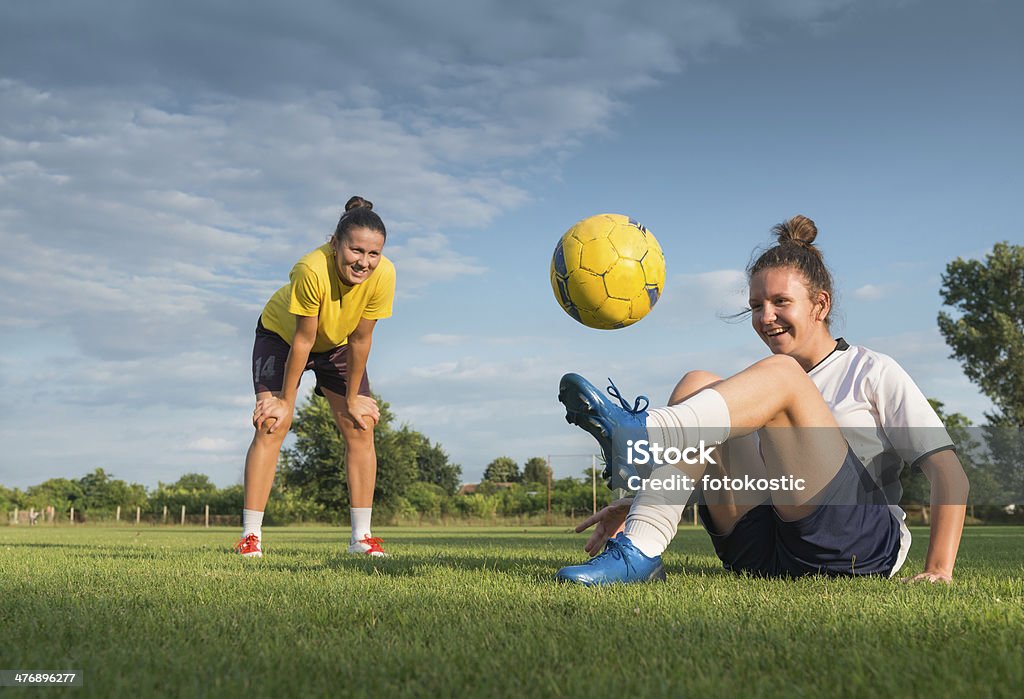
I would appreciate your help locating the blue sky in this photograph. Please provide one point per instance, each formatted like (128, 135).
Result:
(162, 168)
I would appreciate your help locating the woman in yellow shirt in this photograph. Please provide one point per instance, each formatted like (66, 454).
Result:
(322, 320)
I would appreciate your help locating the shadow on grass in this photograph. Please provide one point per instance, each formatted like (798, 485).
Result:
(537, 568)
(529, 555)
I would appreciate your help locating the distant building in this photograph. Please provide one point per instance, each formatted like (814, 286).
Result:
(471, 488)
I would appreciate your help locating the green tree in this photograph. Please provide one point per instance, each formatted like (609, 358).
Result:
(193, 491)
(315, 464)
(196, 483)
(502, 470)
(426, 498)
(288, 506)
(101, 493)
(396, 463)
(229, 501)
(572, 496)
(1005, 454)
(989, 488)
(477, 505)
(986, 489)
(9, 499)
(62, 493)
(987, 336)
(432, 465)
(535, 470)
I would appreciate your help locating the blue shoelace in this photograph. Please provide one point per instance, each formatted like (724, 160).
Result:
(614, 392)
(612, 549)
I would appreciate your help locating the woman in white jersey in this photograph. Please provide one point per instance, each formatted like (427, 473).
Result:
(812, 440)
(323, 320)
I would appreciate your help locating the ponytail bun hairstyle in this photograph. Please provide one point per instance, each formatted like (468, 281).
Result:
(359, 214)
(798, 229)
(795, 249)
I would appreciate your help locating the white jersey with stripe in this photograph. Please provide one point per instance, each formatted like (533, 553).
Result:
(883, 415)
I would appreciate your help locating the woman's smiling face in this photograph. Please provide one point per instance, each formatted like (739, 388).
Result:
(785, 317)
(358, 253)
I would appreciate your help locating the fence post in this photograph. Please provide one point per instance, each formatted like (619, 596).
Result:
(183, 515)
(15, 515)
(165, 514)
(117, 517)
(547, 518)
(207, 516)
(71, 518)
(138, 515)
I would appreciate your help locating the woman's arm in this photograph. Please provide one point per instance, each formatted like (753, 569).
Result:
(359, 342)
(281, 409)
(949, 488)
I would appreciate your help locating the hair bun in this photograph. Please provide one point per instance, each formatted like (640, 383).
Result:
(798, 229)
(358, 202)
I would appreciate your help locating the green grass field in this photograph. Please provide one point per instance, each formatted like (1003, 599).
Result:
(472, 611)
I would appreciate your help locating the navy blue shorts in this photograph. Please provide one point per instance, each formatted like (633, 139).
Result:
(852, 532)
(270, 351)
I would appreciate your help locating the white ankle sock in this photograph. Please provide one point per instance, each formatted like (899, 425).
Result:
(654, 516)
(360, 522)
(252, 522)
(704, 416)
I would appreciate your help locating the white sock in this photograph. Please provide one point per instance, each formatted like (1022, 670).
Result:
(252, 522)
(654, 516)
(360, 522)
(704, 416)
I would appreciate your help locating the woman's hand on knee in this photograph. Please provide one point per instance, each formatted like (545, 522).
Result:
(272, 414)
(363, 411)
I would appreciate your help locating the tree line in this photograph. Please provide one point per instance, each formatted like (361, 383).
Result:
(415, 478)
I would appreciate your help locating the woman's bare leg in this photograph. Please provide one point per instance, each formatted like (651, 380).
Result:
(799, 437)
(360, 453)
(261, 462)
(737, 457)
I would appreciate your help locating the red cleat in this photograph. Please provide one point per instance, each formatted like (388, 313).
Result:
(249, 546)
(368, 546)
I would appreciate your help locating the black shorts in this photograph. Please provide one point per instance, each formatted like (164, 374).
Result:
(853, 532)
(270, 351)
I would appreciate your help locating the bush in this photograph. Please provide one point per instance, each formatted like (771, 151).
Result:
(426, 498)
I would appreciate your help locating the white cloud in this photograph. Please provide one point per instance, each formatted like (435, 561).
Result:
(430, 258)
(705, 296)
(442, 339)
(869, 292)
(214, 444)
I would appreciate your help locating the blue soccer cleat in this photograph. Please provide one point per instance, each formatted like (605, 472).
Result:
(620, 562)
(609, 423)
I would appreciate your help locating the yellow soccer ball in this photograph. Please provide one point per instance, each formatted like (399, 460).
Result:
(608, 271)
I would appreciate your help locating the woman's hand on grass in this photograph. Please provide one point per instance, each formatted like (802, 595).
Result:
(930, 577)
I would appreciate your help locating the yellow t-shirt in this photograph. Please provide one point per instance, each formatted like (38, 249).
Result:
(316, 290)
